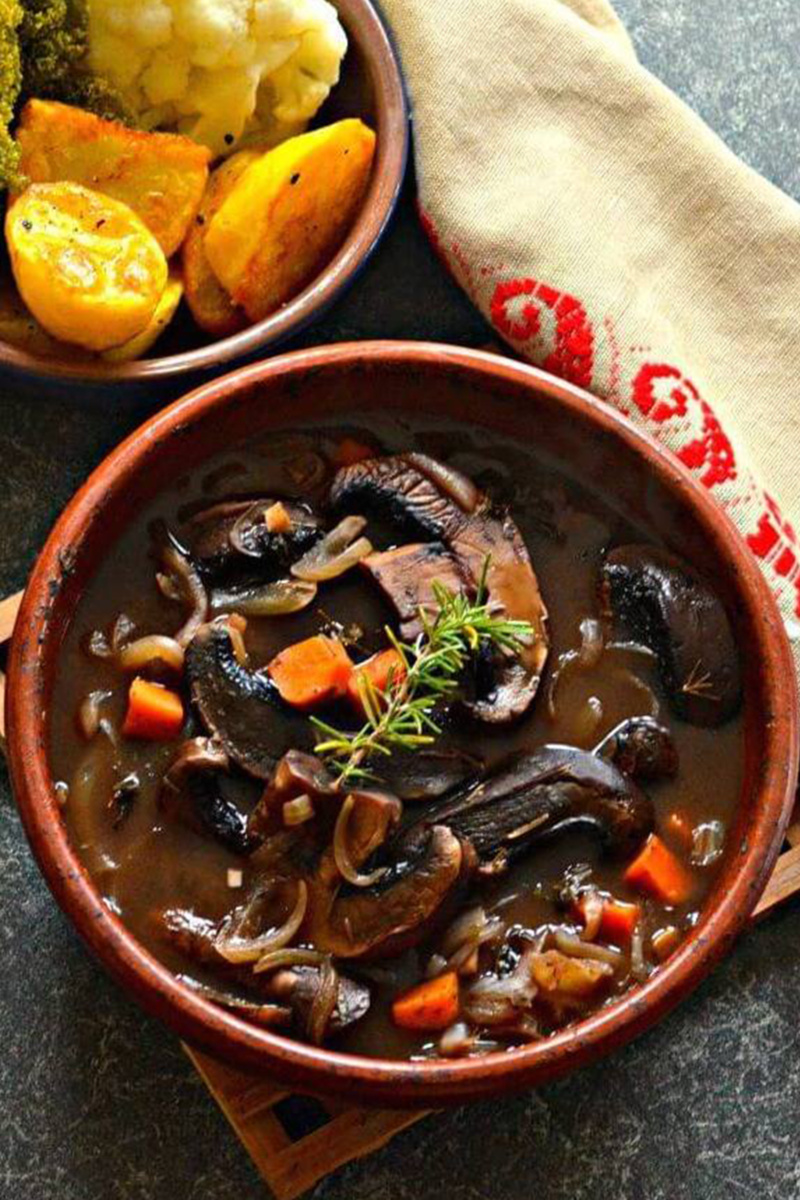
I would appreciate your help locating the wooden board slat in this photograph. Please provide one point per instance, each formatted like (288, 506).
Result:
(251, 1103)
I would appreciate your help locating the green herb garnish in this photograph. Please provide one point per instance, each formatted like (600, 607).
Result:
(400, 716)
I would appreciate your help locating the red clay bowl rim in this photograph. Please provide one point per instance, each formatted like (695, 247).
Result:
(392, 120)
(425, 1084)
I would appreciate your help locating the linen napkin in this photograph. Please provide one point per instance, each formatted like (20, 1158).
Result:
(611, 238)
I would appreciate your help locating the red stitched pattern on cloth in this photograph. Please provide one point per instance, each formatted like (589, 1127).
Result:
(552, 328)
(516, 315)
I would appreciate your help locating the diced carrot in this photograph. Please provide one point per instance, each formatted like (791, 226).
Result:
(680, 827)
(154, 712)
(311, 672)
(277, 518)
(617, 922)
(349, 451)
(379, 670)
(430, 1005)
(658, 872)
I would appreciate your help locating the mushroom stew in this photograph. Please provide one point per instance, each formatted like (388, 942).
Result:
(399, 740)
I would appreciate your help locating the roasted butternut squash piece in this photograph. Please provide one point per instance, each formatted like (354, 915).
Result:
(161, 176)
(212, 307)
(138, 346)
(85, 265)
(288, 214)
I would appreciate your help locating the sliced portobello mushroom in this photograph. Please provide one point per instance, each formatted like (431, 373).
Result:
(427, 774)
(532, 795)
(238, 707)
(435, 501)
(406, 575)
(398, 911)
(670, 608)
(642, 748)
(292, 992)
(190, 793)
(233, 538)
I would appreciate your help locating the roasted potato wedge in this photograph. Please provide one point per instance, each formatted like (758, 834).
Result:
(88, 269)
(211, 306)
(138, 346)
(161, 176)
(287, 215)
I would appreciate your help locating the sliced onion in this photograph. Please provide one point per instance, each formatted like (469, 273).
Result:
(167, 586)
(708, 843)
(437, 965)
(592, 642)
(192, 590)
(639, 968)
(459, 487)
(573, 946)
(334, 554)
(291, 956)
(242, 950)
(121, 632)
(306, 470)
(592, 909)
(269, 600)
(298, 811)
(89, 714)
(263, 1014)
(149, 651)
(97, 645)
(341, 854)
(456, 1041)
(324, 1002)
(495, 1001)
(472, 928)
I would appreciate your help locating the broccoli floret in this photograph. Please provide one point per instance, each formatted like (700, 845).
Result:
(42, 53)
(10, 85)
(53, 40)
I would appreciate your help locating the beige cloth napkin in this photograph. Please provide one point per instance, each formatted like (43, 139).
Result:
(610, 237)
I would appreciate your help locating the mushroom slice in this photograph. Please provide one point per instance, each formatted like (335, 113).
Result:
(406, 575)
(319, 1016)
(642, 748)
(233, 537)
(294, 989)
(190, 793)
(396, 913)
(530, 795)
(670, 607)
(301, 774)
(239, 708)
(440, 503)
(427, 774)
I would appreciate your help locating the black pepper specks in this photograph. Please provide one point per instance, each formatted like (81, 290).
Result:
(228, 139)
(294, 179)
(26, 224)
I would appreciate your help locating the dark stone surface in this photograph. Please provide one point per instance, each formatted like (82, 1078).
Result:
(98, 1102)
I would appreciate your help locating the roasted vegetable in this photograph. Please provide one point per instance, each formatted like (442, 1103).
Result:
(161, 176)
(154, 712)
(142, 342)
(19, 327)
(287, 215)
(85, 265)
(212, 307)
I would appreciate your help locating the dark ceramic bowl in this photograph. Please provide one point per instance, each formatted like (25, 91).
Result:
(487, 391)
(371, 87)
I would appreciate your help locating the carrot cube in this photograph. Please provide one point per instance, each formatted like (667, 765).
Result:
(154, 712)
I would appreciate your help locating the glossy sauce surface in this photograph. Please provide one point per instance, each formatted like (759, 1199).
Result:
(143, 863)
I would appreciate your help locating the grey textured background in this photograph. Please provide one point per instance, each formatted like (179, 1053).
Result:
(98, 1102)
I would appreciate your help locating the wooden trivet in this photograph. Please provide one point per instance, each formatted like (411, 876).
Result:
(272, 1122)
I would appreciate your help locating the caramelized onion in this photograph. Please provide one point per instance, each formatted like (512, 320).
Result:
(639, 968)
(291, 956)
(334, 554)
(458, 486)
(341, 854)
(298, 811)
(192, 591)
(573, 946)
(708, 842)
(89, 713)
(592, 908)
(324, 1002)
(238, 949)
(268, 600)
(150, 651)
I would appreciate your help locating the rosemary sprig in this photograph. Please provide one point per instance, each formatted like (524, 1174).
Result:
(400, 716)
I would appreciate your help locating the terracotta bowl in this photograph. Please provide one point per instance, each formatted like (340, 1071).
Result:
(371, 87)
(486, 391)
